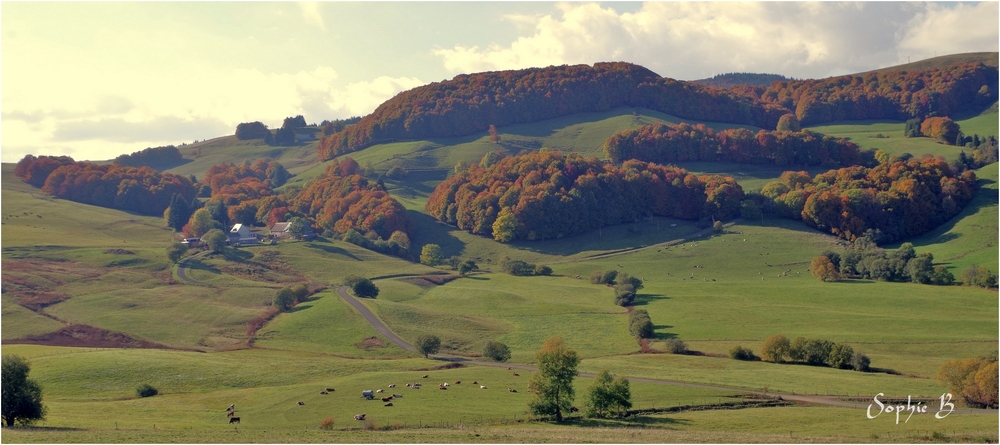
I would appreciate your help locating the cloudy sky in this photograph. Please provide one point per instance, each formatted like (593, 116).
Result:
(94, 80)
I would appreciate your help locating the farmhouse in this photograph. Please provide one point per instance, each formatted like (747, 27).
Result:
(240, 234)
(280, 230)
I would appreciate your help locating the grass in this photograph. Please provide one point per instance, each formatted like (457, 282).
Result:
(228, 149)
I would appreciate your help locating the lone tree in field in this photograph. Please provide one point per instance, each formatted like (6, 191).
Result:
(496, 351)
(22, 397)
(428, 344)
(608, 396)
(431, 255)
(822, 268)
(552, 385)
(175, 251)
(364, 288)
(284, 299)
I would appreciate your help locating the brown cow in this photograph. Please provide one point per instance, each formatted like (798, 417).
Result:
(323, 392)
(229, 413)
(386, 399)
(517, 375)
(423, 376)
(330, 389)
(388, 404)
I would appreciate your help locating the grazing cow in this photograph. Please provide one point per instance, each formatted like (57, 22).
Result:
(446, 384)
(458, 382)
(508, 368)
(386, 399)
(397, 396)
(392, 385)
(302, 403)
(359, 417)
(323, 392)
(330, 389)
(234, 420)
(442, 387)
(573, 409)
(475, 382)
(378, 390)
(482, 387)
(407, 385)
(229, 413)
(511, 390)
(423, 376)
(388, 404)
(517, 375)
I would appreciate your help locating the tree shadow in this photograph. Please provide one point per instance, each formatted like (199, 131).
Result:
(428, 230)
(237, 255)
(161, 166)
(658, 333)
(197, 264)
(645, 299)
(331, 249)
(299, 307)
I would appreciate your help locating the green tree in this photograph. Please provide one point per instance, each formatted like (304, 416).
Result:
(216, 240)
(401, 238)
(301, 292)
(861, 362)
(428, 344)
(505, 225)
(775, 348)
(496, 351)
(22, 397)
(146, 390)
(175, 251)
(552, 385)
(297, 227)
(177, 213)
(364, 288)
(543, 270)
(978, 276)
(431, 255)
(841, 356)
(201, 222)
(788, 122)
(466, 267)
(797, 349)
(624, 295)
(608, 397)
(284, 299)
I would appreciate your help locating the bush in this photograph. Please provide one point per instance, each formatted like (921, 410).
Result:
(741, 353)
(284, 299)
(326, 424)
(146, 390)
(496, 351)
(639, 324)
(624, 278)
(677, 346)
(543, 270)
(841, 356)
(364, 288)
(775, 349)
(861, 362)
(431, 255)
(624, 295)
(517, 268)
(597, 277)
(609, 277)
(301, 292)
(817, 352)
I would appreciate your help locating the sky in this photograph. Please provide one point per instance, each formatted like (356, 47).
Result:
(96, 80)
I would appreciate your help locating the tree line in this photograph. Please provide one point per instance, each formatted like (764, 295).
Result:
(135, 189)
(152, 156)
(546, 194)
(664, 143)
(470, 103)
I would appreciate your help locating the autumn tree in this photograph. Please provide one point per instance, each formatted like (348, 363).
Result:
(822, 268)
(775, 349)
(251, 130)
(978, 276)
(431, 255)
(552, 385)
(216, 240)
(200, 223)
(974, 379)
(788, 122)
(494, 136)
(940, 128)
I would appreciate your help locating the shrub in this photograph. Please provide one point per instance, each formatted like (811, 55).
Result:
(517, 268)
(396, 172)
(624, 295)
(146, 390)
(496, 351)
(841, 356)
(642, 328)
(741, 353)
(624, 278)
(431, 255)
(676, 346)
(364, 288)
(326, 424)
(609, 277)
(597, 277)
(861, 362)
(543, 270)
(284, 299)
(817, 352)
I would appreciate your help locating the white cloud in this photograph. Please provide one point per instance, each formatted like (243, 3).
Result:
(691, 40)
(312, 14)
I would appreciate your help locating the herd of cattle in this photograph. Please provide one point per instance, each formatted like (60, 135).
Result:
(370, 395)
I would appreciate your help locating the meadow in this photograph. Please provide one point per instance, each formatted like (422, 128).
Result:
(714, 291)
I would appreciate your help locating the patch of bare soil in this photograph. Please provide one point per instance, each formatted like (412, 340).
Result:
(369, 343)
(80, 335)
(33, 282)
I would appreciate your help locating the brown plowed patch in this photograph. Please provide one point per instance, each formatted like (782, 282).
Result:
(80, 335)
(369, 343)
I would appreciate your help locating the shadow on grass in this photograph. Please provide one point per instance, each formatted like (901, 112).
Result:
(197, 264)
(331, 249)
(428, 230)
(237, 255)
(644, 299)
(658, 333)
(628, 422)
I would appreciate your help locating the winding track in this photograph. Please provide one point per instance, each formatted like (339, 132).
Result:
(819, 400)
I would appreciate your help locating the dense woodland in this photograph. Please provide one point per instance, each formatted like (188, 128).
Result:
(136, 189)
(151, 157)
(733, 79)
(470, 103)
(547, 194)
(896, 200)
(662, 143)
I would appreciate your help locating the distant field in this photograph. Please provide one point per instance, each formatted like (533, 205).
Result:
(228, 149)
(864, 134)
